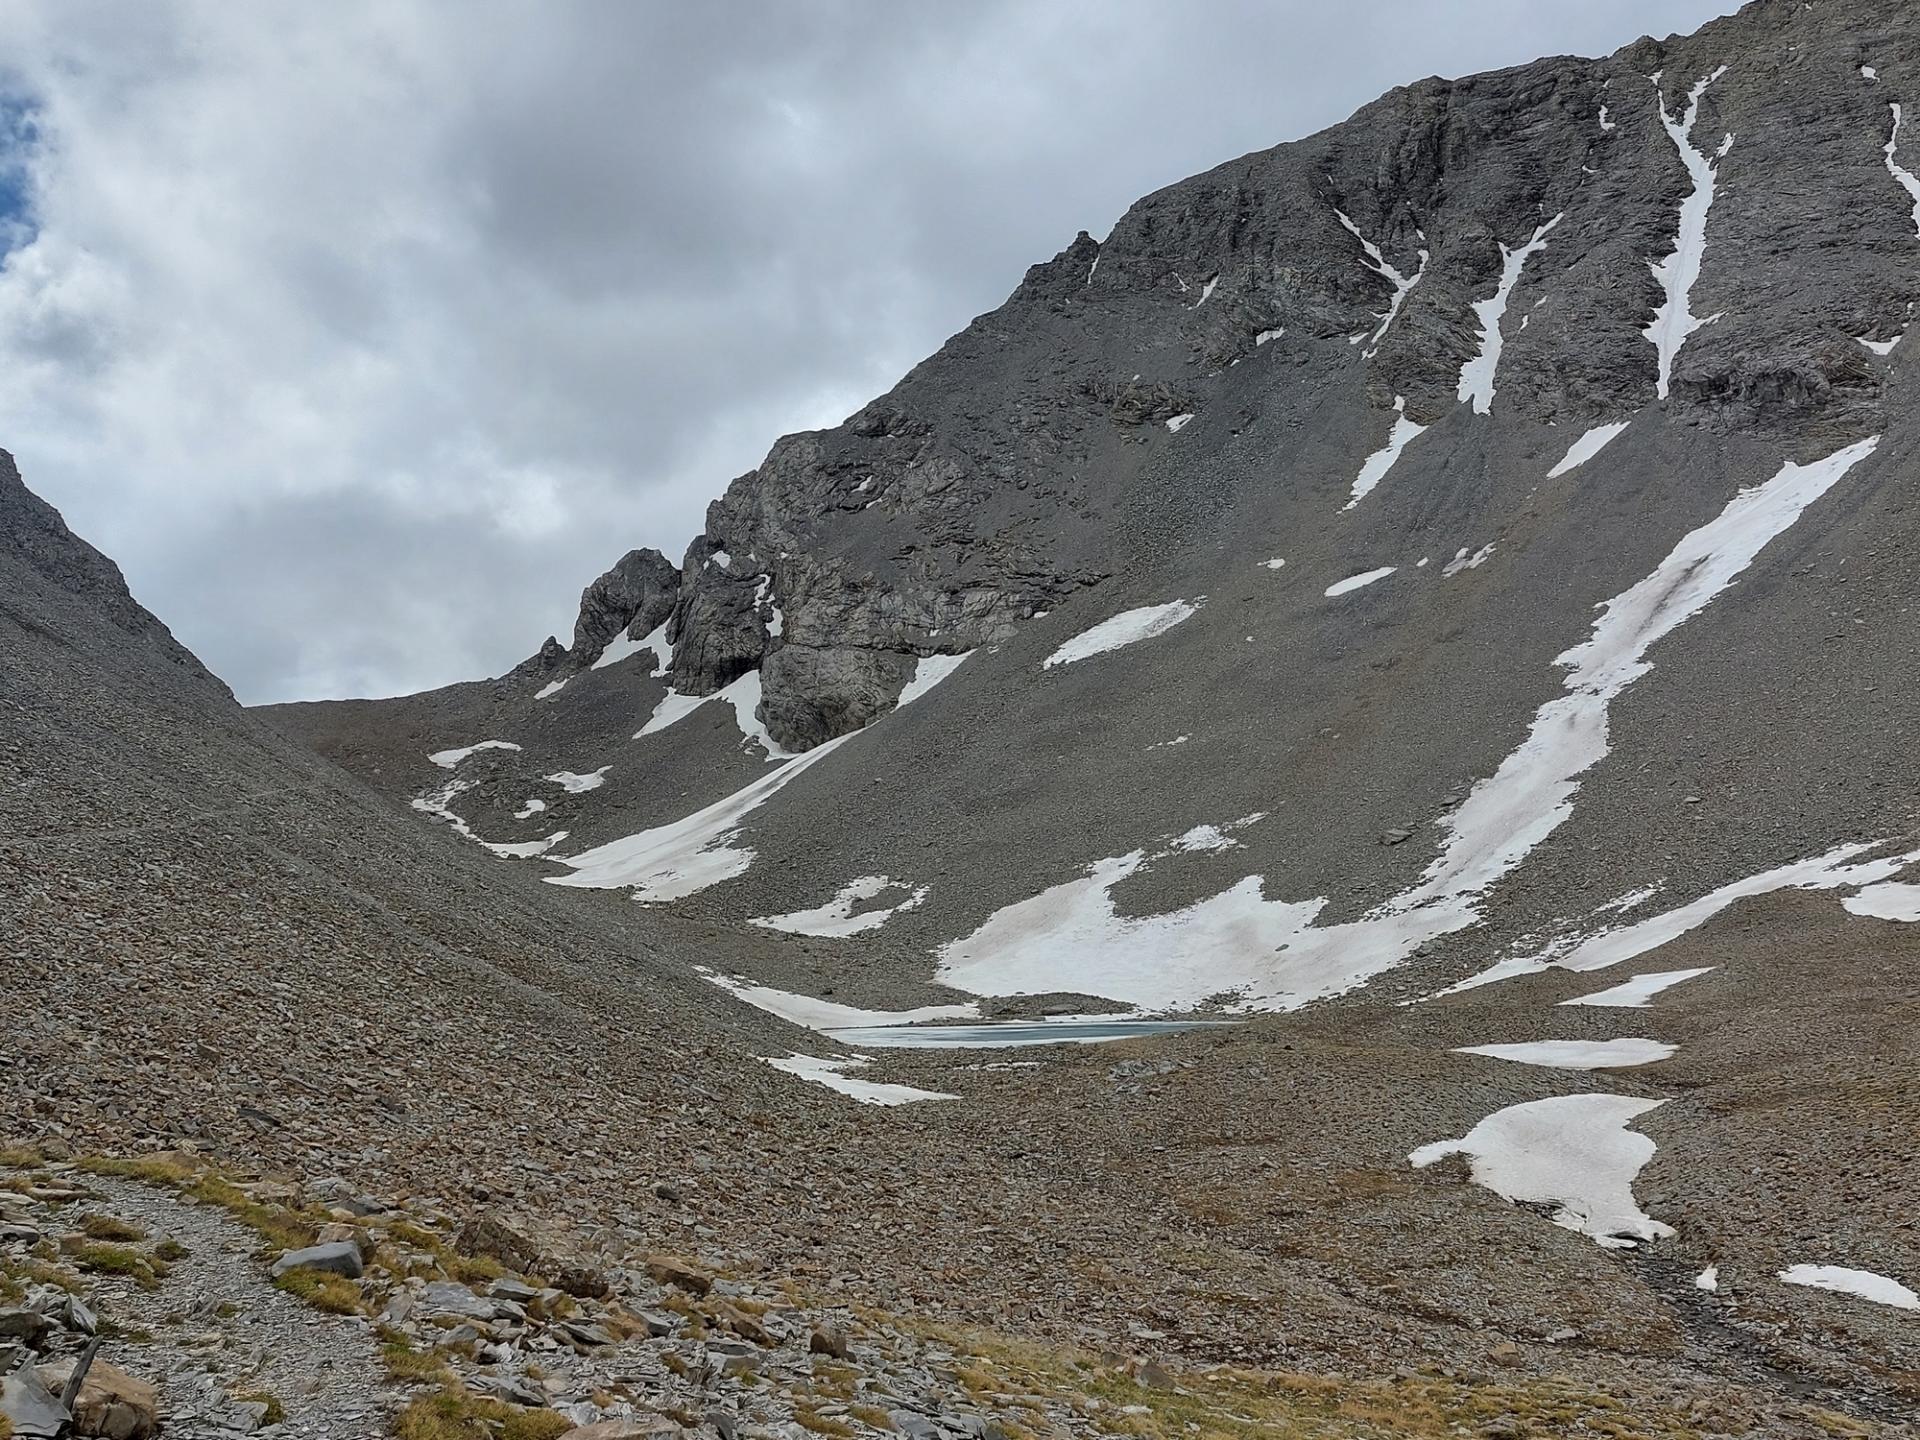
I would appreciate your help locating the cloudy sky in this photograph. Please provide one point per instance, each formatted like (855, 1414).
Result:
(364, 334)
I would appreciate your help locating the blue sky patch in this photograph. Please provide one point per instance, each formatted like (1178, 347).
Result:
(19, 139)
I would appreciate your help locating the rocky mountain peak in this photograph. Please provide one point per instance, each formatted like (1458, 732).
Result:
(633, 598)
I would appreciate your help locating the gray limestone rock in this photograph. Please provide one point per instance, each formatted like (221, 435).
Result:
(633, 598)
(342, 1257)
(810, 695)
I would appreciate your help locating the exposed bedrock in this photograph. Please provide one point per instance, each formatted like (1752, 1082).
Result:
(632, 598)
(810, 696)
(1355, 266)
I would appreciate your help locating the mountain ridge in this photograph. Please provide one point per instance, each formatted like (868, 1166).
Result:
(1477, 851)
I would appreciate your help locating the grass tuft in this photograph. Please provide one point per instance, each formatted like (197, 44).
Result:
(824, 1424)
(97, 1257)
(331, 1294)
(107, 1227)
(452, 1414)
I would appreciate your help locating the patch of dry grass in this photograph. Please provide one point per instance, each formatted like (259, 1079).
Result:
(331, 1294)
(823, 1424)
(97, 1257)
(108, 1227)
(1225, 1404)
(452, 1414)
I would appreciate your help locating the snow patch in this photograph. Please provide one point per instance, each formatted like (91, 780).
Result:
(1831, 871)
(1274, 564)
(1404, 433)
(672, 861)
(1381, 266)
(1267, 337)
(532, 808)
(1674, 321)
(1464, 561)
(744, 696)
(575, 784)
(1205, 837)
(552, 688)
(1179, 423)
(1881, 347)
(1845, 1281)
(1588, 446)
(831, 1073)
(1129, 627)
(1707, 1279)
(450, 759)
(1356, 582)
(525, 849)
(1631, 900)
(1578, 1054)
(1477, 375)
(1638, 993)
(622, 647)
(836, 920)
(672, 709)
(1886, 902)
(1206, 292)
(1607, 121)
(929, 672)
(827, 1015)
(1908, 180)
(669, 862)
(1573, 1151)
(439, 804)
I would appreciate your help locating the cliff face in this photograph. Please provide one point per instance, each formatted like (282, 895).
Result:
(1707, 225)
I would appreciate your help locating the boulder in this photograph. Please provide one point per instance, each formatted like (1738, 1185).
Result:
(341, 1257)
(26, 1325)
(743, 1323)
(679, 1272)
(444, 1297)
(30, 1407)
(494, 1238)
(583, 1282)
(112, 1405)
(63, 1309)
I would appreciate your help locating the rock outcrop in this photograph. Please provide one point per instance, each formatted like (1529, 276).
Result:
(993, 481)
(633, 598)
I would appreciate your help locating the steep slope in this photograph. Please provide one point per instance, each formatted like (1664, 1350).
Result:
(1430, 561)
(217, 941)
(1460, 346)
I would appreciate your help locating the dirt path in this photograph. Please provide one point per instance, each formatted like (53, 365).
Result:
(215, 1329)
